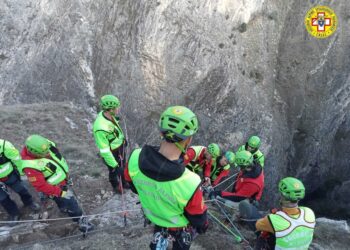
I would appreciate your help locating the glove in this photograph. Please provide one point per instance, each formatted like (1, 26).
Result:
(203, 229)
(207, 181)
(213, 194)
(67, 194)
(120, 171)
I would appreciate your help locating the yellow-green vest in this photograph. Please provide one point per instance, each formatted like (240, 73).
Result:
(163, 202)
(293, 233)
(6, 165)
(54, 171)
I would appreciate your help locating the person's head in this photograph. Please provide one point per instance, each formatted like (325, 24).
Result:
(178, 124)
(228, 158)
(244, 160)
(253, 144)
(214, 150)
(38, 145)
(292, 191)
(110, 104)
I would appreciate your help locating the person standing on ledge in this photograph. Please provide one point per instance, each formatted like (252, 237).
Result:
(110, 140)
(169, 193)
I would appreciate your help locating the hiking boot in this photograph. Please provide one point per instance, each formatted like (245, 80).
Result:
(34, 206)
(85, 226)
(13, 220)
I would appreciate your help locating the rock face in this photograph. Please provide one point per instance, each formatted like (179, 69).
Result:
(245, 67)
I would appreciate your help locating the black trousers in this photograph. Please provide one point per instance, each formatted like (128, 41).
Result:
(15, 183)
(116, 173)
(69, 206)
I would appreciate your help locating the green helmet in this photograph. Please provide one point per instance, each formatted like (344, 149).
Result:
(109, 102)
(37, 145)
(244, 158)
(292, 189)
(230, 156)
(254, 142)
(178, 123)
(214, 150)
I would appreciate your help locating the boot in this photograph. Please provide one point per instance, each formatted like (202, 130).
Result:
(85, 226)
(13, 220)
(35, 207)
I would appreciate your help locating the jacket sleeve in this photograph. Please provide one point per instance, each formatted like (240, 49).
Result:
(11, 153)
(189, 156)
(196, 211)
(247, 191)
(207, 164)
(264, 225)
(36, 178)
(128, 178)
(105, 151)
(261, 161)
(223, 174)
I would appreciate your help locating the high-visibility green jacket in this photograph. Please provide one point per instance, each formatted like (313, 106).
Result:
(163, 202)
(216, 170)
(258, 156)
(9, 158)
(293, 233)
(108, 137)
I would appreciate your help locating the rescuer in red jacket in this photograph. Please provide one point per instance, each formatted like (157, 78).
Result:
(249, 183)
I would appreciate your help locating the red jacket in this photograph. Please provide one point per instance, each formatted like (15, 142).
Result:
(222, 174)
(206, 165)
(37, 179)
(247, 187)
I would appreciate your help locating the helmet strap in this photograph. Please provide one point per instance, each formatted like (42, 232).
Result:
(179, 146)
(183, 149)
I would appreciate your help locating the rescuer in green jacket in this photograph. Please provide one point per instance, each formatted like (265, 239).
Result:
(110, 140)
(252, 145)
(169, 193)
(9, 177)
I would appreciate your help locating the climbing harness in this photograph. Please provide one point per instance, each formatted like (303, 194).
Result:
(161, 239)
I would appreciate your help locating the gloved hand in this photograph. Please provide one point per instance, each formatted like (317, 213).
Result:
(120, 171)
(207, 181)
(213, 194)
(203, 229)
(67, 194)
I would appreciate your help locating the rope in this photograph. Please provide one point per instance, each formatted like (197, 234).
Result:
(237, 237)
(230, 185)
(69, 218)
(67, 237)
(229, 178)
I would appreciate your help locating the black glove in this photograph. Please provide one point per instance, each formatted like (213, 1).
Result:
(203, 229)
(120, 171)
(213, 194)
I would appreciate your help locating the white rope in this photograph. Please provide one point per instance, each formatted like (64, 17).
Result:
(69, 218)
(225, 180)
